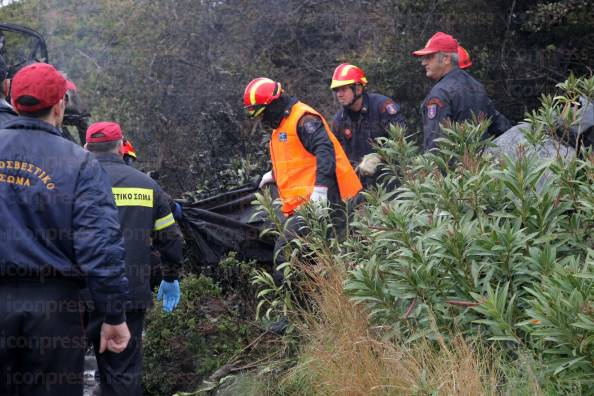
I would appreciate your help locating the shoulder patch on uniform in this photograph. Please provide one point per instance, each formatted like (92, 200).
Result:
(392, 108)
(311, 123)
(311, 126)
(431, 111)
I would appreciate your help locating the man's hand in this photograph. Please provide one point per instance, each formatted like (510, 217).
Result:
(170, 293)
(320, 193)
(114, 337)
(369, 164)
(267, 178)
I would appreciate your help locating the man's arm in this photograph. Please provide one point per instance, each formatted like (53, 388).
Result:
(315, 139)
(499, 124)
(167, 237)
(168, 240)
(435, 110)
(98, 242)
(389, 114)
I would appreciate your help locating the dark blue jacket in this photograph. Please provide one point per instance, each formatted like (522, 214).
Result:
(457, 96)
(357, 131)
(145, 218)
(58, 215)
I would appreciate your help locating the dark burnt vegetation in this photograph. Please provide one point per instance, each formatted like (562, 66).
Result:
(172, 72)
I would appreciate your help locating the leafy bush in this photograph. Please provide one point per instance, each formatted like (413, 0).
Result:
(478, 244)
(183, 347)
(278, 297)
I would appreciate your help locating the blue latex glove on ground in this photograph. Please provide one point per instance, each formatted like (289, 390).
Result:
(169, 292)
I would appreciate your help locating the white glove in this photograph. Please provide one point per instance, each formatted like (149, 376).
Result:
(319, 194)
(267, 178)
(369, 164)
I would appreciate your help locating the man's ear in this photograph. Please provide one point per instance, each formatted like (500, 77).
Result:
(56, 109)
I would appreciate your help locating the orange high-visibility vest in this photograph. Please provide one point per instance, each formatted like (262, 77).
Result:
(295, 168)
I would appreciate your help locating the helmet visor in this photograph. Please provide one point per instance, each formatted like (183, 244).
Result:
(254, 111)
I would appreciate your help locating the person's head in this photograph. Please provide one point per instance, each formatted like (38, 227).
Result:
(128, 152)
(260, 93)
(265, 99)
(439, 56)
(39, 91)
(104, 137)
(348, 84)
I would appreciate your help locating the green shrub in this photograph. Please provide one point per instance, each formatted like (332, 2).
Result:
(494, 248)
(183, 347)
(479, 244)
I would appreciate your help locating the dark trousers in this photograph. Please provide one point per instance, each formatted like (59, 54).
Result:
(293, 227)
(42, 340)
(119, 373)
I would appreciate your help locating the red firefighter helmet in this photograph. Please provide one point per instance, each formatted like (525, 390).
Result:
(128, 149)
(259, 93)
(464, 61)
(347, 74)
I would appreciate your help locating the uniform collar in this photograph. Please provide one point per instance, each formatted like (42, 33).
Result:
(289, 108)
(6, 107)
(364, 108)
(109, 157)
(287, 111)
(452, 73)
(278, 110)
(23, 122)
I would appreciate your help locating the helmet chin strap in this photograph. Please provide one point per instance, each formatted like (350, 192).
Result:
(355, 96)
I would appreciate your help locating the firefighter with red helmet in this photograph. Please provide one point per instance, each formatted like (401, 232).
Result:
(128, 152)
(308, 162)
(363, 117)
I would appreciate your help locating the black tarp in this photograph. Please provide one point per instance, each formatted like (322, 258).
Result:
(224, 223)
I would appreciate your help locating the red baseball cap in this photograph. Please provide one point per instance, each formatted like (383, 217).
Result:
(439, 42)
(37, 87)
(101, 132)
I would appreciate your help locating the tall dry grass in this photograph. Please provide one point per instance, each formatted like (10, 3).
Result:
(342, 356)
